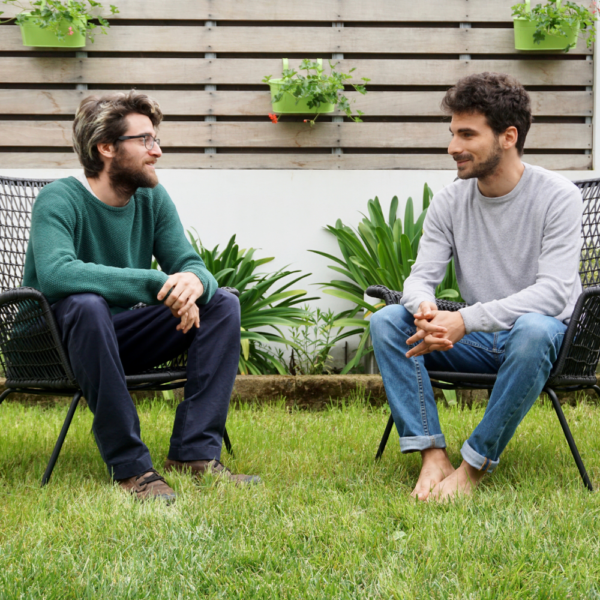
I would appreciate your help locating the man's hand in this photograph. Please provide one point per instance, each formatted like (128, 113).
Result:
(189, 319)
(437, 330)
(185, 288)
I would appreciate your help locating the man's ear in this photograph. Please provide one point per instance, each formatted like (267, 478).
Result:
(509, 138)
(107, 150)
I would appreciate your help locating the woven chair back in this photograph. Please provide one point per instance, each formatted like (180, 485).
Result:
(589, 267)
(16, 201)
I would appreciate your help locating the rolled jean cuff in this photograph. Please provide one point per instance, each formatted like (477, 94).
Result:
(422, 442)
(481, 463)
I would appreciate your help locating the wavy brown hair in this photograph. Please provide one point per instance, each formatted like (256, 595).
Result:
(101, 120)
(499, 97)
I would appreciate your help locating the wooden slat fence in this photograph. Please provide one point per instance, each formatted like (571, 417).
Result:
(204, 60)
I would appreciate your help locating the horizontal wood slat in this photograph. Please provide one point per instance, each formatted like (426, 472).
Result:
(256, 103)
(146, 71)
(282, 40)
(311, 10)
(63, 160)
(297, 135)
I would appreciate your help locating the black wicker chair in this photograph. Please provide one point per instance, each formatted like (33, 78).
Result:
(32, 356)
(575, 368)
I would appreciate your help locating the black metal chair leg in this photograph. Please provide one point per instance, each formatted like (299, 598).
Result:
(4, 394)
(596, 389)
(384, 439)
(61, 438)
(227, 442)
(569, 436)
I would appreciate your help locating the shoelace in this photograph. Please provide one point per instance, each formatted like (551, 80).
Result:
(151, 479)
(219, 467)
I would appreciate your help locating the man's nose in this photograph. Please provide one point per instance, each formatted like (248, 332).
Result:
(454, 145)
(156, 151)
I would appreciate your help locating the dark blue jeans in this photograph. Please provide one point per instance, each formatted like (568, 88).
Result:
(104, 348)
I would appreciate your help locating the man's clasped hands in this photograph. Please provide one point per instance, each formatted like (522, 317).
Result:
(185, 289)
(436, 330)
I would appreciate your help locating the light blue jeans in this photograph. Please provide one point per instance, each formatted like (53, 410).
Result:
(522, 357)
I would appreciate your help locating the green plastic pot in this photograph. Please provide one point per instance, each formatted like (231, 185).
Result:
(525, 28)
(42, 37)
(294, 106)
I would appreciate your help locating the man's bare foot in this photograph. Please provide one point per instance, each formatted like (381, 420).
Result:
(436, 467)
(461, 482)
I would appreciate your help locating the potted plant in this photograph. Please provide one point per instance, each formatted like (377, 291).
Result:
(552, 26)
(315, 92)
(58, 23)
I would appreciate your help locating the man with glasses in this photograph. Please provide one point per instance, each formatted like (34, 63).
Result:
(90, 252)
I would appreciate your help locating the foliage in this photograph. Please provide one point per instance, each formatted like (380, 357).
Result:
(378, 252)
(52, 14)
(318, 88)
(314, 341)
(553, 16)
(261, 306)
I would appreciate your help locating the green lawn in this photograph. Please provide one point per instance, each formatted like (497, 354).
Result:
(327, 523)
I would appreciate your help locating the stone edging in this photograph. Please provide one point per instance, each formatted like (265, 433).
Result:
(305, 391)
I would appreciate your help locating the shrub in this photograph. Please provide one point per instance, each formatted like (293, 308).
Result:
(264, 310)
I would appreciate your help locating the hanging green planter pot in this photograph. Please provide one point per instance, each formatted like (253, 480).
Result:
(288, 104)
(525, 28)
(34, 35)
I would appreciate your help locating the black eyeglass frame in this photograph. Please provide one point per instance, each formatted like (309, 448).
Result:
(144, 135)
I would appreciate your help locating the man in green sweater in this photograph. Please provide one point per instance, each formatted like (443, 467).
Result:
(90, 252)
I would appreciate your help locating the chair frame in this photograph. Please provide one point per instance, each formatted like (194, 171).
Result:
(575, 367)
(32, 354)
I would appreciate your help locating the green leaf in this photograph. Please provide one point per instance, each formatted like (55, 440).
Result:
(393, 211)
(351, 298)
(351, 323)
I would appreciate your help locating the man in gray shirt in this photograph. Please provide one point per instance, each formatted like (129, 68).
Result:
(514, 231)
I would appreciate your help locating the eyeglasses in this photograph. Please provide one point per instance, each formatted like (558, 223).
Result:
(149, 140)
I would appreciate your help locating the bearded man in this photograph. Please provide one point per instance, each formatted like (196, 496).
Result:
(90, 252)
(514, 231)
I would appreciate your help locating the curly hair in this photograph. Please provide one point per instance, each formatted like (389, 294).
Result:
(499, 97)
(102, 120)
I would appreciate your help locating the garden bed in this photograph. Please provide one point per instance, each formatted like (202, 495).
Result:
(313, 392)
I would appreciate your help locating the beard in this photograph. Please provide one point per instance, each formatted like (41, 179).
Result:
(126, 176)
(485, 168)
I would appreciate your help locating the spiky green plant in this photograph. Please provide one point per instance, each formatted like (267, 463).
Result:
(264, 310)
(378, 252)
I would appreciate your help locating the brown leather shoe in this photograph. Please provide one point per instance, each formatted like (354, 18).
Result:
(215, 467)
(148, 485)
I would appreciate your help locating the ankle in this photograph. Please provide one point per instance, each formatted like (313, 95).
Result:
(475, 475)
(435, 456)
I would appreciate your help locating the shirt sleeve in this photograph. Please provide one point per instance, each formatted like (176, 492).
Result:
(558, 269)
(174, 252)
(435, 252)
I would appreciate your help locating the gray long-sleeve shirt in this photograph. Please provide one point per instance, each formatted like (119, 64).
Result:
(515, 254)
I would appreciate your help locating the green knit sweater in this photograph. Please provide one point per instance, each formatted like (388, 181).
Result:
(79, 244)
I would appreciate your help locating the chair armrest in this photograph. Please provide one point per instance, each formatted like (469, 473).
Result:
(385, 294)
(580, 350)
(31, 348)
(391, 297)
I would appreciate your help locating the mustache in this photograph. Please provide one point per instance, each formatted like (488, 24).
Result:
(459, 157)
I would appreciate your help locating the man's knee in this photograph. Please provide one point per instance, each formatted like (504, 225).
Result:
(88, 305)
(389, 319)
(225, 304)
(534, 334)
